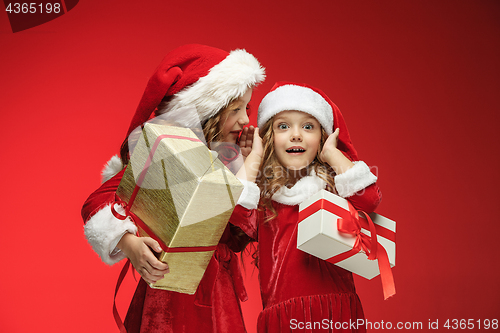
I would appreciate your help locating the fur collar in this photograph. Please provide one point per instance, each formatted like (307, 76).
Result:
(302, 190)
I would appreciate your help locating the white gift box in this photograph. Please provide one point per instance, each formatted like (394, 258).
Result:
(318, 234)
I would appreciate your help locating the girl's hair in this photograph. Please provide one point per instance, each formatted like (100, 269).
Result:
(273, 175)
(212, 127)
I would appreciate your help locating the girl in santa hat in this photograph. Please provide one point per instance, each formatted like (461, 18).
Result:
(306, 148)
(219, 86)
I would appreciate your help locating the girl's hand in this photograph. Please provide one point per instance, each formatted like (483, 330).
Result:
(250, 168)
(138, 250)
(333, 156)
(330, 146)
(257, 147)
(246, 140)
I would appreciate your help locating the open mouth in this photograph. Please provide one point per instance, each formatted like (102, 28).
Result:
(295, 150)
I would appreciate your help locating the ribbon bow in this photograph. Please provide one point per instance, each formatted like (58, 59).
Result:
(352, 226)
(369, 244)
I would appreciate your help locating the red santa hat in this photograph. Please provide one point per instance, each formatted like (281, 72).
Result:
(198, 76)
(288, 96)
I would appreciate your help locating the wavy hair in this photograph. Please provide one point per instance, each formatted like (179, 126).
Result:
(212, 129)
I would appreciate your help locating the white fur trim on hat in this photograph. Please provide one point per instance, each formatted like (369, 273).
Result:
(353, 180)
(112, 167)
(292, 97)
(103, 231)
(226, 81)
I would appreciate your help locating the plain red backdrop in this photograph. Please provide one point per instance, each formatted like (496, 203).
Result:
(417, 82)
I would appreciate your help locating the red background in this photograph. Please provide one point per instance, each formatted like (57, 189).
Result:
(417, 82)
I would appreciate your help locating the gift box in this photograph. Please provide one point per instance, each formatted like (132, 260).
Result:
(319, 234)
(180, 194)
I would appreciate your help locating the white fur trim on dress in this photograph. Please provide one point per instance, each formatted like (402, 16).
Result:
(291, 97)
(226, 81)
(103, 231)
(302, 190)
(249, 198)
(353, 180)
(112, 167)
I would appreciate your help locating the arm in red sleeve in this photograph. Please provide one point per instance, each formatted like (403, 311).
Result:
(367, 199)
(358, 185)
(245, 213)
(246, 220)
(102, 229)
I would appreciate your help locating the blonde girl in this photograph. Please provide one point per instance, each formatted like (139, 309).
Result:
(306, 148)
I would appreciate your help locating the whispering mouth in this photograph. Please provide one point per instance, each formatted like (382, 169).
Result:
(295, 150)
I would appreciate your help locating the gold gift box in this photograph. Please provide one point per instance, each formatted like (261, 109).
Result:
(184, 196)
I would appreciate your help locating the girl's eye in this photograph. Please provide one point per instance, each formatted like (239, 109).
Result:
(282, 126)
(308, 126)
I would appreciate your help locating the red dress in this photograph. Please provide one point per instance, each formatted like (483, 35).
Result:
(215, 307)
(300, 292)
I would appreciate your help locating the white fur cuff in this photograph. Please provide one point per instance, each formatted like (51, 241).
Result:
(104, 231)
(355, 179)
(249, 198)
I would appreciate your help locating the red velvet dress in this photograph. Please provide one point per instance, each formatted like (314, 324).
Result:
(215, 307)
(300, 292)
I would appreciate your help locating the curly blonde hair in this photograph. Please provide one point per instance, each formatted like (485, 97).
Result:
(212, 129)
(273, 175)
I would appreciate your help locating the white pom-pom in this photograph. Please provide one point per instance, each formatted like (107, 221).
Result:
(111, 168)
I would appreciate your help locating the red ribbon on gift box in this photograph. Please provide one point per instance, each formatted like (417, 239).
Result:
(351, 222)
(150, 233)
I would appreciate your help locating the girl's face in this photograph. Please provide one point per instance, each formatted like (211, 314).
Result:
(297, 137)
(234, 118)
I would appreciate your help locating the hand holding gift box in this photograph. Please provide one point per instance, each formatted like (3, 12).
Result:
(331, 229)
(178, 193)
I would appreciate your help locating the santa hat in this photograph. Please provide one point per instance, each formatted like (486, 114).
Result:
(198, 76)
(288, 96)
